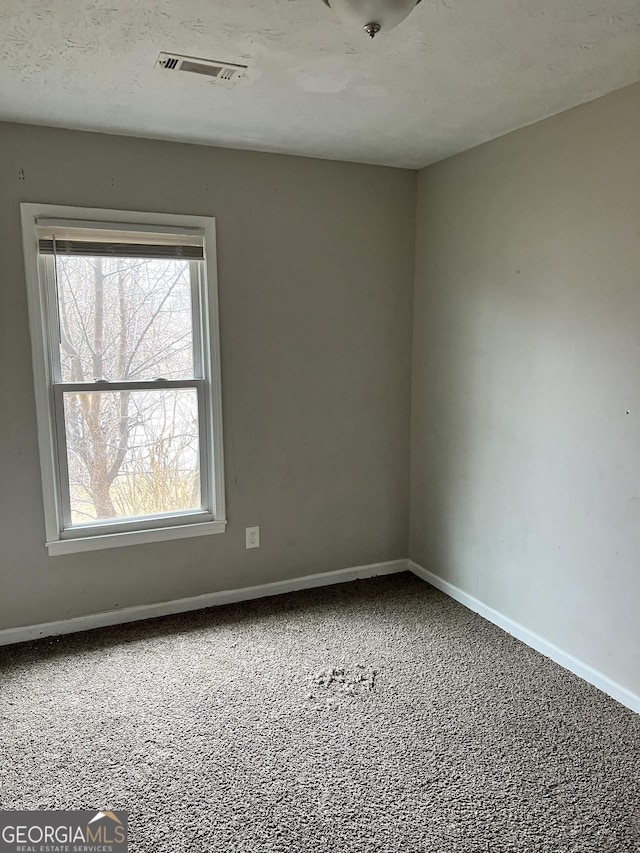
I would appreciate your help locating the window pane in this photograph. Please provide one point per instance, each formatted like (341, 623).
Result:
(132, 453)
(124, 318)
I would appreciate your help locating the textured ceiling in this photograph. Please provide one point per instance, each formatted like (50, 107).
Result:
(454, 74)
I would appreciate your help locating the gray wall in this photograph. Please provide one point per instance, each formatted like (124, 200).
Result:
(525, 451)
(525, 467)
(316, 269)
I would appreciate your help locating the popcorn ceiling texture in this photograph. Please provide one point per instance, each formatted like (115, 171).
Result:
(373, 716)
(454, 74)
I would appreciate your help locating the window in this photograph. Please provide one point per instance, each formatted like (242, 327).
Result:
(124, 328)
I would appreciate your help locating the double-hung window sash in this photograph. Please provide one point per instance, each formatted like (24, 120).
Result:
(130, 381)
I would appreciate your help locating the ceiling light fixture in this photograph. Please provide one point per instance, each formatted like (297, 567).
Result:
(372, 15)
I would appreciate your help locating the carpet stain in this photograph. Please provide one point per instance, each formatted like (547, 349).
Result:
(345, 680)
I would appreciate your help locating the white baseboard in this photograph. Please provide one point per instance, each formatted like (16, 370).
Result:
(199, 602)
(549, 650)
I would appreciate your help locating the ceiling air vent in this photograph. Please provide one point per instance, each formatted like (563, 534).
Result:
(207, 67)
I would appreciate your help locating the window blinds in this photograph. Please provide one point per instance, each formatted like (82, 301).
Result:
(57, 237)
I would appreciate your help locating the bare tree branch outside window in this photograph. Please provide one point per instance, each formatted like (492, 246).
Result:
(130, 452)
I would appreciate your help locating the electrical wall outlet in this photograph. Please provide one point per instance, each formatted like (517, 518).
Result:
(253, 537)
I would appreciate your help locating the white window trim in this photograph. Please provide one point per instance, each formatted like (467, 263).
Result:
(129, 532)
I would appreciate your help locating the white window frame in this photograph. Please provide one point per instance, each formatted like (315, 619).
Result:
(61, 538)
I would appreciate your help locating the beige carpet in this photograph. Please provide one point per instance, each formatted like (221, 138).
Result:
(373, 716)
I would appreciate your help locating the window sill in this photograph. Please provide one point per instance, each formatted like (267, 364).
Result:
(133, 537)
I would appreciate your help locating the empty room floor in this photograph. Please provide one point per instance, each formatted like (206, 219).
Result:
(372, 716)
